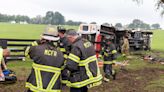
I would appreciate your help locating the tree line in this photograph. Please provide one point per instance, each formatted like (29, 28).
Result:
(136, 23)
(54, 18)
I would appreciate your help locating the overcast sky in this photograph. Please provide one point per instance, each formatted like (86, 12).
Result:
(100, 11)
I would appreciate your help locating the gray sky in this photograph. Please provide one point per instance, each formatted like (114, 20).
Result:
(100, 11)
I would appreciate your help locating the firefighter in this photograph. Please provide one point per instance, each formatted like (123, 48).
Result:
(109, 56)
(65, 48)
(125, 46)
(64, 43)
(48, 60)
(82, 63)
(3, 53)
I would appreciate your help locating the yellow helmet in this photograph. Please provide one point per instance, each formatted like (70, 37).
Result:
(51, 33)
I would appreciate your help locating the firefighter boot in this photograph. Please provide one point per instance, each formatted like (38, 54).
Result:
(114, 74)
(106, 78)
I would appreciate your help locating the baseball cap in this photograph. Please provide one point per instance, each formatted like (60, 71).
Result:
(71, 32)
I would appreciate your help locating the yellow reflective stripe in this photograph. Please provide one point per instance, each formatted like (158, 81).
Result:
(90, 75)
(46, 68)
(114, 51)
(100, 56)
(65, 56)
(1, 55)
(88, 60)
(85, 82)
(27, 51)
(53, 81)
(123, 55)
(38, 78)
(38, 68)
(85, 63)
(34, 43)
(62, 67)
(74, 57)
(94, 84)
(114, 61)
(64, 81)
(35, 89)
(108, 62)
(62, 49)
(106, 54)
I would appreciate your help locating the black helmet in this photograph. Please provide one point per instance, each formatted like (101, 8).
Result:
(61, 29)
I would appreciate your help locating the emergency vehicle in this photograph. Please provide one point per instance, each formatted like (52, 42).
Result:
(96, 34)
(138, 40)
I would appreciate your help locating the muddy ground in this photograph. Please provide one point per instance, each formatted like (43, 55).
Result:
(131, 81)
(127, 81)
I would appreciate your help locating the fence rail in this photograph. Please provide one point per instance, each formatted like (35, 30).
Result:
(16, 49)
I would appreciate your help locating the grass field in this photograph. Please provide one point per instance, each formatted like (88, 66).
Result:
(32, 31)
(139, 76)
(158, 40)
(20, 31)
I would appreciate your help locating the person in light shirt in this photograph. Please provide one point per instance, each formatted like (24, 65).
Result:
(3, 53)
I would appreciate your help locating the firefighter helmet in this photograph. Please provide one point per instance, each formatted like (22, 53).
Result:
(50, 33)
(61, 29)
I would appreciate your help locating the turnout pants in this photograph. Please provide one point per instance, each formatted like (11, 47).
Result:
(82, 89)
(107, 70)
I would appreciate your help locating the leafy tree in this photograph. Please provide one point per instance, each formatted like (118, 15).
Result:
(155, 26)
(145, 26)
(58, 18)
(106, 24)
(70, 22)
(93, 23)
(54, 18)
(136, 23)
(118, 25)
(49, 17)
(37, 20)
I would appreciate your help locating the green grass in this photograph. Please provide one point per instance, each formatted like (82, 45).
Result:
(22, 69)
(158, 40)
(28, 64)
(21, 31)
(154, 85)
(24, 31)
(136, 64)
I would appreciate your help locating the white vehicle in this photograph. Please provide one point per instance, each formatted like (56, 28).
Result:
(92, 33)
(89, 29)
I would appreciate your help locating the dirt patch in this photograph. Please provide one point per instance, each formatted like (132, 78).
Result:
(127, 81)
(130, 81)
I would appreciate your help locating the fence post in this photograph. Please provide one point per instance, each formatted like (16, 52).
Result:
(3, 44)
